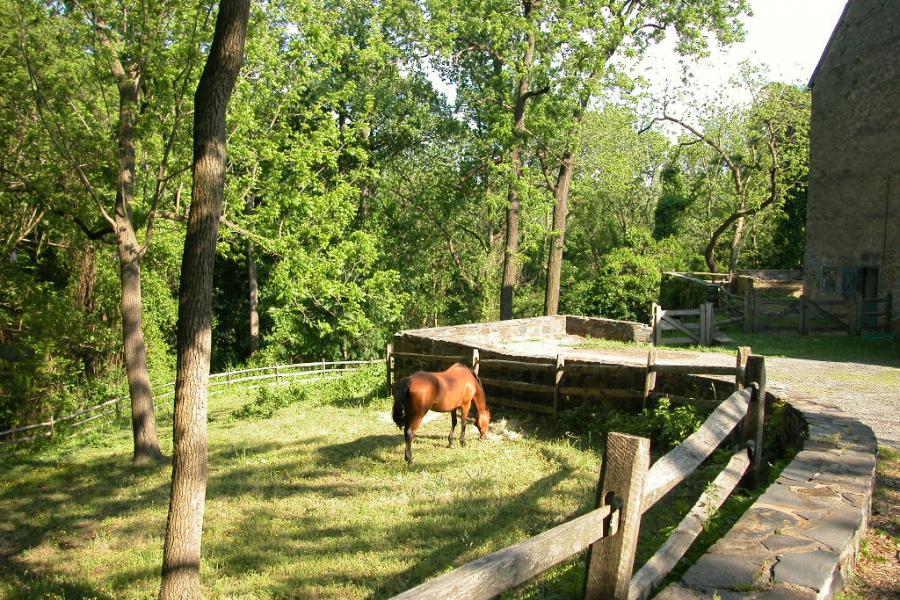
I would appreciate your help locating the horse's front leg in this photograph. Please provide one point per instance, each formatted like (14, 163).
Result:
(464, 416)
(452, 428)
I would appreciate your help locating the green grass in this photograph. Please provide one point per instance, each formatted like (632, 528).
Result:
(309, 497)
(314, 502)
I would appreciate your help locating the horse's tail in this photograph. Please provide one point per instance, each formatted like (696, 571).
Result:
(401, 402)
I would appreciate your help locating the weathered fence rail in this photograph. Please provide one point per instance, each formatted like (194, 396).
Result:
(261, 376)
(628, 487)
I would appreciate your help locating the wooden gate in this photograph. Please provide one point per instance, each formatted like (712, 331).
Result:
(691, 326)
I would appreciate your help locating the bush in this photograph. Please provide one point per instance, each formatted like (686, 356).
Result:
(664, 425)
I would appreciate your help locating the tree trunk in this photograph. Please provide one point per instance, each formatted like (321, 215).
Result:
(252, 290)
(511, 252)
(737, 243)
(181, 553)
(143, 416)
(558, 240)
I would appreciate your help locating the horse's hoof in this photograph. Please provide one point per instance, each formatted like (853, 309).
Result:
(462, 442)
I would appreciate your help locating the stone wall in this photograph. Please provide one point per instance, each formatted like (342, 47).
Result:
(608, 329)
(853, 211)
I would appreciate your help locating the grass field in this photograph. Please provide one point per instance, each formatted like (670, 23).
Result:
(309, 497)
(315, 502)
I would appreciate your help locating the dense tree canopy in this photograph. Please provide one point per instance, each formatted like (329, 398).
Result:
(390, 165)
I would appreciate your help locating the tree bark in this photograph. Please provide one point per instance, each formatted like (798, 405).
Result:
(510, 253)
(737, 243)
(558, 240)
(253, 292)
(181, 553)
(143, 416)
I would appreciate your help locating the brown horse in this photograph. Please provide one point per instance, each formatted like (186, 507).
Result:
(443, 392)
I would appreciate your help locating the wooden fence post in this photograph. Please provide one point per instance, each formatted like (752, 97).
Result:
(610, 560)
(118, 409)
(323, 368)
(706, 323)
(757, 310)
(476, 361)
(657, 329)
(649, 378)
(855, 316)
(748, 311)
(276, 375)
(560, 366)
(804, 315)
(742, 353)
(388, 365)
(755, 373)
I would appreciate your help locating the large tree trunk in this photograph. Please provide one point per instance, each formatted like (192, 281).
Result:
(511, 252)
(181, 554)
(558, 240)
(143, 416)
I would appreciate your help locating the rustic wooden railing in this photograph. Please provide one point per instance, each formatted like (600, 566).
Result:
(243, 378)
(548, 397)
(628, 487)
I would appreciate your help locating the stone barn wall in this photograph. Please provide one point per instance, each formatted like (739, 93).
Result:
(853, 210)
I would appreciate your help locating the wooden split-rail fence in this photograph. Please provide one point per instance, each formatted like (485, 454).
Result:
(549, 397)
(218, 382)
(628, 487)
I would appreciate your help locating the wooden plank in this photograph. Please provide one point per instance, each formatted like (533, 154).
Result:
(610, 560)
(491, 575)
(519, 404)
(388, 367)
(602, 394)
(682, 329)
(681, 312)
(560, 371)
(740, 362)
(681, 461)
(24, 428)
(687, 531)
(695, 369)
(518, 385)
(451, 358)
(25, 439)
(521, 364)
(600, 367)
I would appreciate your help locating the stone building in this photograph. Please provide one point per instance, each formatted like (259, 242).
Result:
(853, 211)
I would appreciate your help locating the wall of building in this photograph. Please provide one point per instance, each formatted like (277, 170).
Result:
(853, 216)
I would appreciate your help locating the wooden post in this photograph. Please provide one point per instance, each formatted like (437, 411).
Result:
(757, 310)
(389, 365)
(706, 323)
(748, 311)
(657, 329)
(755, 374)
(323, 368)
(560, 366)
(855, 316)
(742, 353)
(118, 409)
(276, 374)
(610, 560)
(649, 378)
(476, 361)
(804, 315)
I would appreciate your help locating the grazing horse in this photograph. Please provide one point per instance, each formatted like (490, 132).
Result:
(443, 392)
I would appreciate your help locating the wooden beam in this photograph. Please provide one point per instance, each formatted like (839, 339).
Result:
(610, 561)
(681, 461)
(687, 531)
(491, 575)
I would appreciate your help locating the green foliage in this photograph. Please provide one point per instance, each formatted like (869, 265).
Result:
(666, 426)
(627, 280)
(359, 388)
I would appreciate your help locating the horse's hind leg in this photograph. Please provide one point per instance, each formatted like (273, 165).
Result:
(410, 436)
(452, 428)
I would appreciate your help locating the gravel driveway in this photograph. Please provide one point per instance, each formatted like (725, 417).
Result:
(869, 393)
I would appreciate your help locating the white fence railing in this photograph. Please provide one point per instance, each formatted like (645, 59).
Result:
(243, 378)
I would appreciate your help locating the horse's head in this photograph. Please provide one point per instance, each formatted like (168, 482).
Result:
(483, 421)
